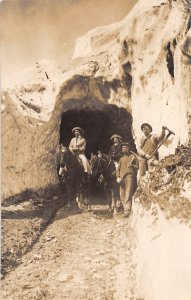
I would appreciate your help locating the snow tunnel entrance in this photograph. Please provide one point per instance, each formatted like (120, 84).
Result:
(98, 124)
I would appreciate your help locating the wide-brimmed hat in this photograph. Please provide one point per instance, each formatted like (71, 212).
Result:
(146, 124)
(78, 128)
(115, 136)
(125, 144)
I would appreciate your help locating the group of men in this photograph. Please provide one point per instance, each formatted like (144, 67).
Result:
(128, 163)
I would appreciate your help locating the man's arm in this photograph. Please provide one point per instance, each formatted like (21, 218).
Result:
(139, 148)
(161, 136)
(83, 146)
(133, 165)
(119, 154)
(118, 169)
(71, 146)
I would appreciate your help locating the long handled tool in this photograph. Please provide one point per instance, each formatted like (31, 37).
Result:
(129, 165)
(161, 143)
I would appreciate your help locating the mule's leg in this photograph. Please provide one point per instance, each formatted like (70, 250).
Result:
(89, 208)
(87, 193)
(113, 196)
(114, 201)
(87, 201)
(86, 187)
(79, 200)
(116, 198)
(79, 196)
(82, 201)
(108, 193)
(69, 196)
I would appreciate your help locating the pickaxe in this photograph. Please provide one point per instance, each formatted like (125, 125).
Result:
(160, 144)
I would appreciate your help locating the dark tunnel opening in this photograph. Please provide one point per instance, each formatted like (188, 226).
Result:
(99, 125)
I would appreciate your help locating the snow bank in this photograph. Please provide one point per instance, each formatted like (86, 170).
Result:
(162, 256)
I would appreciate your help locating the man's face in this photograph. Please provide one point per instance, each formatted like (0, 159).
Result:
(116, 140)
(125, 149)
(146, 130)
(77, 132)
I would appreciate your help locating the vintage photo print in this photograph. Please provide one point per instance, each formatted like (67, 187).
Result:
(96, 149)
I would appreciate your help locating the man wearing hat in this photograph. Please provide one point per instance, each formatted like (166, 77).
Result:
(126, 177)
(148, 145)
(115, 152)
(78, 146)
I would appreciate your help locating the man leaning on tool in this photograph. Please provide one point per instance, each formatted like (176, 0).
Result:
(148, 147)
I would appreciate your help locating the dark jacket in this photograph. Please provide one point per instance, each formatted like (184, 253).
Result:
(115, 152)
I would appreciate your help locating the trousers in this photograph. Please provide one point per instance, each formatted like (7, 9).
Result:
(127, 188)
(85, 163)
(143, 167)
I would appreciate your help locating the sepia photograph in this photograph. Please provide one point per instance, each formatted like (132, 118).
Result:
(95, 149)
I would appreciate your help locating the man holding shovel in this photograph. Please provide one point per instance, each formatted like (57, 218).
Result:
(149, 145)
(126, 177)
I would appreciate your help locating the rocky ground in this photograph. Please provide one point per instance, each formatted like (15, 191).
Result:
(24, 217)
(78, 256)
(50, 252)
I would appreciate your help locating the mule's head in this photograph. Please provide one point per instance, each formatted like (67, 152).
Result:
(70, 160)
(102, 155)
(65, 155)
(63, 149)
(93, 161)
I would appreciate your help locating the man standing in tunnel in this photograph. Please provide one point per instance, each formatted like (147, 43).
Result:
(78, 146)
(115, 152)
(126, 177)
